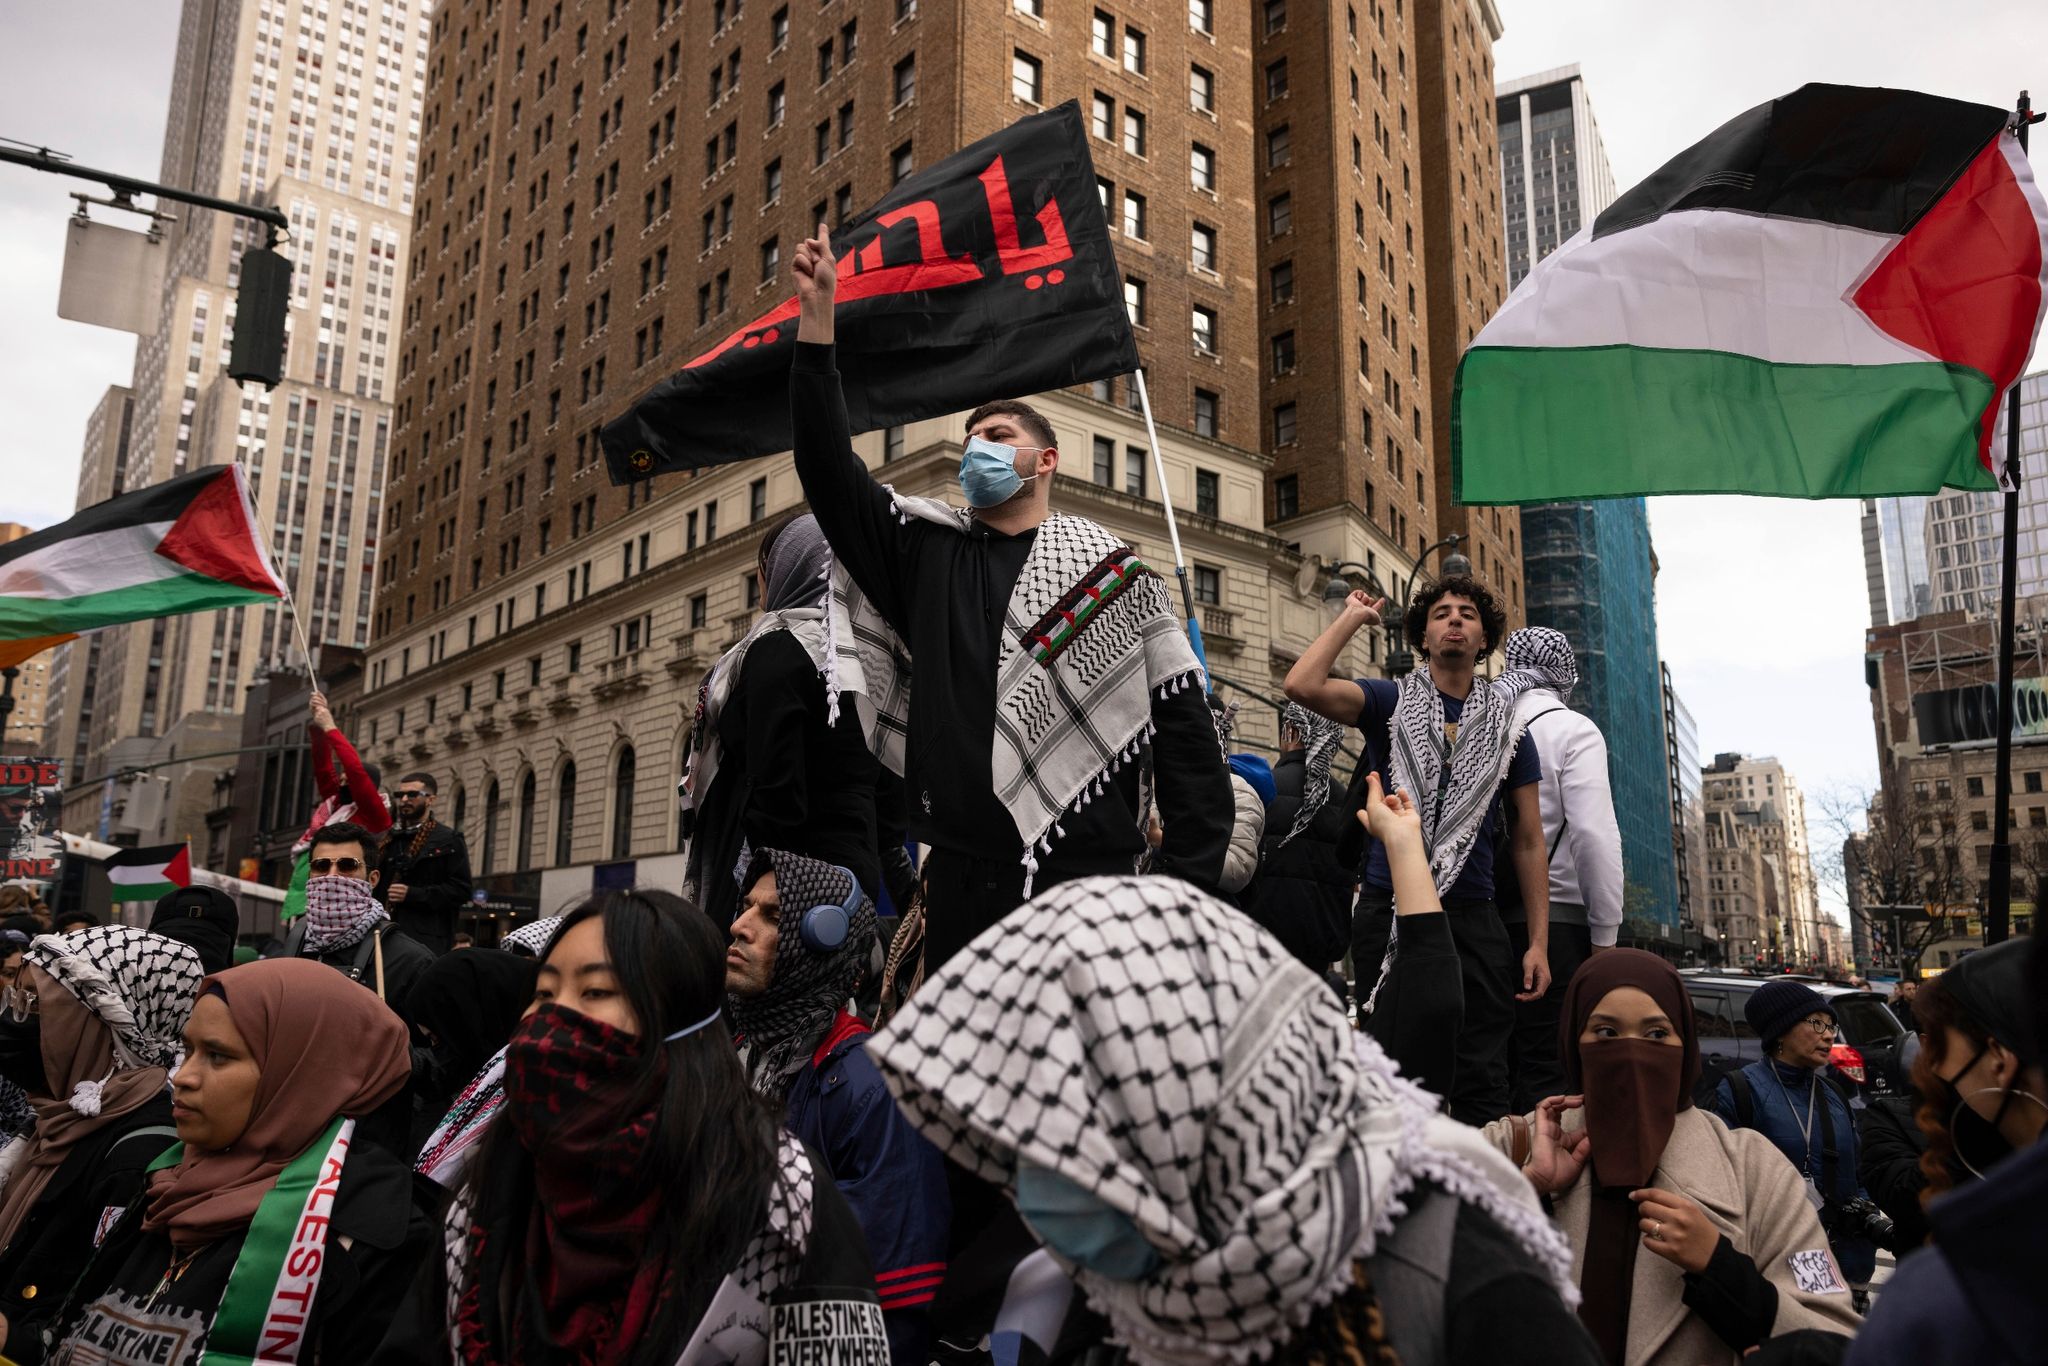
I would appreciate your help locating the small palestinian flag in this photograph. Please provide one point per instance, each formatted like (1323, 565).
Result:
(146, 874)
(186, 545)
(1826, 298)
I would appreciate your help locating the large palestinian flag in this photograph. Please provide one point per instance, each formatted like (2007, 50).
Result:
(1826, 298)
(146, 874)
(186, 545)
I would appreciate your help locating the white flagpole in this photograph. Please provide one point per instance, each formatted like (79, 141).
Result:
(1180, 565)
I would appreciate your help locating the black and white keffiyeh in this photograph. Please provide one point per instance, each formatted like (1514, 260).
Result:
(1090, 636)
(781, 1027)
(1321, 738)
(1546, 653)
(1454, 785)
(536, 937)
(140, 985)
(1155, 1047)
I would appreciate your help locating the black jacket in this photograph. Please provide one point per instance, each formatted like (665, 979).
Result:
(946, 594)
(835, 1261)
(437, 883)
(100, 1177)
(404, 960)
(1304, 890)
(376, 1239)
(786, 779)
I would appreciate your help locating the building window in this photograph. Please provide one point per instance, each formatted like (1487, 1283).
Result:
(1208, 585)
(1276, 15)
(1134, 470)
(1102, 117)
(757, 500)
(1974, 786)
(1034, 8)
(1134, 215)
(1102, 35)
(565, 815)
(1283, 354)
(1134, 51)
(753, 592)
(1202, 322)
(906, 80)
(1134, 132)
(1206, 406)
(700, 608)
(892, 444)
(1202, 247)
(1202, 89)
(1027, 78)
(1202, 167)
(1279, 147)
(490, 833)
(1286, 497)
(622, 805)
(900, 164)
(1283, 425)
(1105, 462)
(1208, 493)
(1134, 300)
(1279, 214)
(1202, 15)
(1281, 277)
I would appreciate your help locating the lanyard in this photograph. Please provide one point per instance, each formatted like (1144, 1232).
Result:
(1805, 1126)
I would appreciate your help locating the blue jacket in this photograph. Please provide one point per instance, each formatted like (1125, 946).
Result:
(1780, 1098)
(894, 1179)
(1974, 1297)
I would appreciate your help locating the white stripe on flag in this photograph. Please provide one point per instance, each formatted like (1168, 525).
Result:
(95, 563)
(1706, 280)
(133, 874)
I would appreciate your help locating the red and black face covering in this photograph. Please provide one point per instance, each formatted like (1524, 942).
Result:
(1634, 1088)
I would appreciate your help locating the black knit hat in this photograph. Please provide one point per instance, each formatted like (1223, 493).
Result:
(204, 917)
(1774, 1007)
(1990, 985)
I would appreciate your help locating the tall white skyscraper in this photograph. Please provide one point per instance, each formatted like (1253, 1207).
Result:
(1554, 173)
(311, 106)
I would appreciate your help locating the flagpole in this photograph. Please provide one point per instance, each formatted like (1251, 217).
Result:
(1180, 564)
(291, 607)
(1998, 894)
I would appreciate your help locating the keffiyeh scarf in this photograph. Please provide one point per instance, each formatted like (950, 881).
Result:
(340, 912)
(1090, 635)
(140, 985)
(1321, 738)
(781, 1027)
(536, 937)
(446, 1154)
(1153, 1046)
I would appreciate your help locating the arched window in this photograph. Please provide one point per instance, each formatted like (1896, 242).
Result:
(565, 815)
(622, 806)
(459, 809)
(527, 790)
(490, 839)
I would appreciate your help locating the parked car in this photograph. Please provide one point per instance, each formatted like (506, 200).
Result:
(1866, 1051)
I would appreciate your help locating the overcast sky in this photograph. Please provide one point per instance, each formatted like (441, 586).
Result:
(1761, 602)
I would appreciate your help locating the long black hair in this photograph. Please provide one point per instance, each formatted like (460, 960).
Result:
(712, 1157)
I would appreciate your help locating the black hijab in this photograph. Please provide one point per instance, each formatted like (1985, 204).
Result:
(470, 1000)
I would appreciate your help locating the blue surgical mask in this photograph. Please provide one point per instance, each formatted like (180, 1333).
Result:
(1078, 1225)
(988, 472)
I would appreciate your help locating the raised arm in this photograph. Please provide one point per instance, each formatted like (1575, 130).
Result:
(1309, 681)
(854, 511)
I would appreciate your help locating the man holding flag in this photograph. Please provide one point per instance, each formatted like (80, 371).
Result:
(1048, 658)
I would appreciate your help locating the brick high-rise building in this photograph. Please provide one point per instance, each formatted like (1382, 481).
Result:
(1378, 223)
(311, 106)
(28, 683)
(540, 634)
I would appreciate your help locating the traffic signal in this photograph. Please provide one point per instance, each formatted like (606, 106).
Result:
(257, 349)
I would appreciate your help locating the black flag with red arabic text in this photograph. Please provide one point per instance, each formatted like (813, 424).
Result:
(987, 275)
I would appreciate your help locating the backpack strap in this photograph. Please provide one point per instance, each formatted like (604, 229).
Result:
(161, 1136)
(1745, 1099)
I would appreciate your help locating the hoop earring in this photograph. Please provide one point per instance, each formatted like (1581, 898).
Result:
(1964, 1100)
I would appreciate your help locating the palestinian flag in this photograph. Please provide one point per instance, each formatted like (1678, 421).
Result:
(1826, 298)
(146, 874)
(186, 545)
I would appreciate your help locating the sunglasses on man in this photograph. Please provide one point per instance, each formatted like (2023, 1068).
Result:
(335, 865)
(415, 794)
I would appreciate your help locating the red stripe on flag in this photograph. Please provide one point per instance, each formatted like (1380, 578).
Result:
(1965, 284)
(214, 536)
(178, 872)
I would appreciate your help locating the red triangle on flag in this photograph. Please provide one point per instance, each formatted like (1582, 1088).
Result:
(178, 872)
(214, 536)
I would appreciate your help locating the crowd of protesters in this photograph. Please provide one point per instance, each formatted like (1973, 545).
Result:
(1086, 1081)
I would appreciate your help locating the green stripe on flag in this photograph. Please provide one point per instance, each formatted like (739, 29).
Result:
(23, 617)
(142, 891)
(1534, 425)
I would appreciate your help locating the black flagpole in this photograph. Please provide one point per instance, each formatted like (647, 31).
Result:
(1998, 899)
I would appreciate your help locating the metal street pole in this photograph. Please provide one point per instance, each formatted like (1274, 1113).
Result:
(1998, 898)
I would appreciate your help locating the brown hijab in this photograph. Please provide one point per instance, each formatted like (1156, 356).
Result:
(77, 1047)
(325, 1046)
(1634, 1091)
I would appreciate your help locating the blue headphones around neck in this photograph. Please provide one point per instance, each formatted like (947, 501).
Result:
(824, 929)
